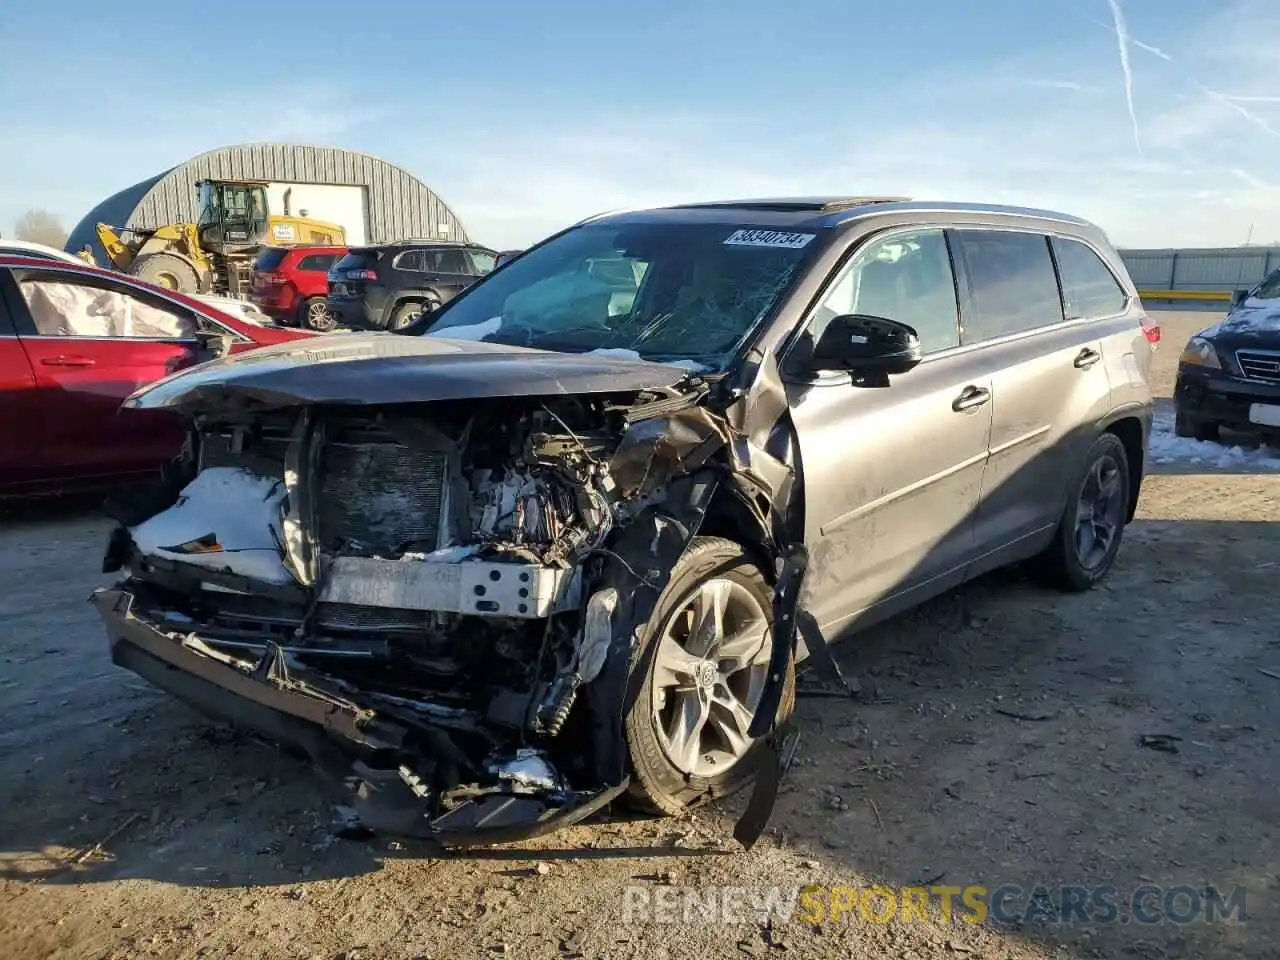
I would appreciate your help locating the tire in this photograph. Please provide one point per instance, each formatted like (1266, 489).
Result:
(658, 784)
(406, 313)
(1062, 565)
(1189, 429)
(313, 314)
(167, 270)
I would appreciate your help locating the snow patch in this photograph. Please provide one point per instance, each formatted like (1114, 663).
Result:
(475, 331)
(242, 512)
(1165, 447)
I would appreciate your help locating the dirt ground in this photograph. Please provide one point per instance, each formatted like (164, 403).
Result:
(1003, 745)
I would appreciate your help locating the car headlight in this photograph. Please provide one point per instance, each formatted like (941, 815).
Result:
(1200, 353)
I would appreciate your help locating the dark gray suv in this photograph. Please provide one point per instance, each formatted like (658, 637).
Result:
(565, 539)
(388, 286)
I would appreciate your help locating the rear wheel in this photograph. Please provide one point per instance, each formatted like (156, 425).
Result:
(410, 312)
(1092, 523)
(314, 315)
(167, 270)
(706, 658)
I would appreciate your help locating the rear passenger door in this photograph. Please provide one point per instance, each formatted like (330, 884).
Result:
(1049, 386)
(452, 272)
(313, 273)
(891, 474)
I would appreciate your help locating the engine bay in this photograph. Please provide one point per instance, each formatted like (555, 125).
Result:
(436, 567)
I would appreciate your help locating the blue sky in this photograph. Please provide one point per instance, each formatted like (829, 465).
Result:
(526, 116)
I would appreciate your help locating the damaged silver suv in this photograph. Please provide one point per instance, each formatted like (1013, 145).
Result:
(563, 541)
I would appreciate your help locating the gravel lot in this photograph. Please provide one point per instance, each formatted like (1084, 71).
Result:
(1002, 746)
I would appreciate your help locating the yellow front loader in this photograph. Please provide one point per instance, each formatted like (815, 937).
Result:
(215, 254)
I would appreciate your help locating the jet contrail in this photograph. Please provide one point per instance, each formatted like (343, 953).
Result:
(1150, 49)
(1249, 115)
(1122, 37)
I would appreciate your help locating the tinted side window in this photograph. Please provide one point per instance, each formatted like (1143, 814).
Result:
(1089, 288)
(905, 277)
(1012, 286)
(452, 261)
(317, 261)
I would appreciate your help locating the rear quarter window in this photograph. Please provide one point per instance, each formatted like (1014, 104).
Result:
(1011, 286)
(411, 260)
(1089, 288)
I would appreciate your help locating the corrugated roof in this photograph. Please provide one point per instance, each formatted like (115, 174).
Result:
(399, 204)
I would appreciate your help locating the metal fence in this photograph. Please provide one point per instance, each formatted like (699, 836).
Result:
(1205, 274)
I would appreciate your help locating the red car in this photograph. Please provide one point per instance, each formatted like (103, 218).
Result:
(75, 341)
(290, 284)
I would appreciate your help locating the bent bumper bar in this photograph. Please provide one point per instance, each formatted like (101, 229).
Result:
(332, 730)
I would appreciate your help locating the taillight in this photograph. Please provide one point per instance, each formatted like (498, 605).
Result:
(1150, 330)
(274, 278)
(361, 275)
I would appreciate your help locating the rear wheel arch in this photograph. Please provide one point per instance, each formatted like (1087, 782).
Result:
(1129, 431)
(411, 298)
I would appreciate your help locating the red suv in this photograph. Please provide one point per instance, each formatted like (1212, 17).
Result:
(290, 283)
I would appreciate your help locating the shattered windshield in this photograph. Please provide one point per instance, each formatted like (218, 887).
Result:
(664, 291)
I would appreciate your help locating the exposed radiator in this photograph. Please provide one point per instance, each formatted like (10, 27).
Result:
(382, 495)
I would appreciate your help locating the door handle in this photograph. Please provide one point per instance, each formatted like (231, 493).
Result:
(1087, 358)
(969, 398)
(65, 361)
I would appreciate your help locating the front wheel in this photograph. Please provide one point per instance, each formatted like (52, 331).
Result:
(705, 655)
(1189, 429)
(1092, 523)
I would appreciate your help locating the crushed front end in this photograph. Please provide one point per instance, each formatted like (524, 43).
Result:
(437, 602)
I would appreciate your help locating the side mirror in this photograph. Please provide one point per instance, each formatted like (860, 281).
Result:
(213, 344)
(1238, 297)
(871, 349)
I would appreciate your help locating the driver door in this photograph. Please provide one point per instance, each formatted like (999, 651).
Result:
(892, 475)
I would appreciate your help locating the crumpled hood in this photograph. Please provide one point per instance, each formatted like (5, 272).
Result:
(1254, 323)
(387, 368)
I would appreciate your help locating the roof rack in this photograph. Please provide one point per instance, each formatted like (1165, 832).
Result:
(426, 240)
(793, 204)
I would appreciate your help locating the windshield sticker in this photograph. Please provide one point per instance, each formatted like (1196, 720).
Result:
(768, 238)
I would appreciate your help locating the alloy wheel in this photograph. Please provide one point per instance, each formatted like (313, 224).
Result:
(318, 316)
(709, 671)
(1099, 513)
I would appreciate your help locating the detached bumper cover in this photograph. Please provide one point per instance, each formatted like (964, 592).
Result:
(340, 736)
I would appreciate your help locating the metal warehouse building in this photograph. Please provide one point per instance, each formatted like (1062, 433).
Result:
(376, 200)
